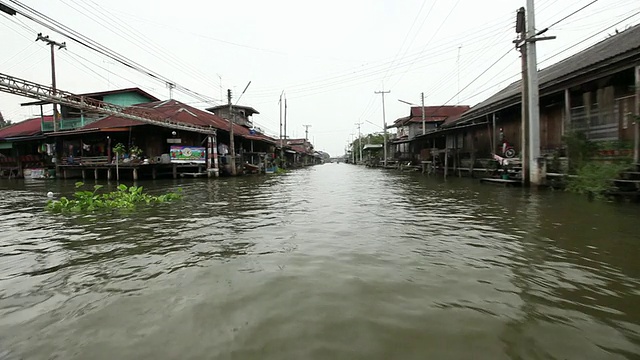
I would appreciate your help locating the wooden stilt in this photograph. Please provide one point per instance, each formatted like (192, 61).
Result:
(95, 173)
(446, 162)
(64, 174)
(84, 174)
(109, 174)
(455, 161)
(473, 161)
(175, 171)
(154, 173)
(135, 174)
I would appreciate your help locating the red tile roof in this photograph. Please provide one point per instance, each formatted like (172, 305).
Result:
(178, 112)
(27, 127)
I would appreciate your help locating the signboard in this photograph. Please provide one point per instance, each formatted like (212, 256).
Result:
(174, 141)
(187, 154)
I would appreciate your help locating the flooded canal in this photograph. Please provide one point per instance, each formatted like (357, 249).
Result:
(329, 262)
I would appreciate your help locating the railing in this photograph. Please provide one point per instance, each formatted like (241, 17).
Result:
(598, 125)
(68, 124)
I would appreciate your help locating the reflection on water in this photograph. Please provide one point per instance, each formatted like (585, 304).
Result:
(330, 262)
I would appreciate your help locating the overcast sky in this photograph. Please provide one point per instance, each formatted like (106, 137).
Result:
(328, 56)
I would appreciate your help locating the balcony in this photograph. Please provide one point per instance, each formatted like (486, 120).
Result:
(65, 124)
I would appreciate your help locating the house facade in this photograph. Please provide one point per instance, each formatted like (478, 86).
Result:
(409, 128)
(594, 92)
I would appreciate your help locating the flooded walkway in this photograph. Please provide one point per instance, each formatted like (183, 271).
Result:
(330, 262)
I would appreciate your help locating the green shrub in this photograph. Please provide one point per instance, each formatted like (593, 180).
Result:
(122, 198)
(594, 178)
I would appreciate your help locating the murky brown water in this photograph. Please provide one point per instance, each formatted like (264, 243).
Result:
(331, 262)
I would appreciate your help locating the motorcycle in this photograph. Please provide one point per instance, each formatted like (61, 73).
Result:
(507, 149)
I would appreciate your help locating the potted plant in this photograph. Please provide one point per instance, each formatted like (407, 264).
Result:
(135, 152)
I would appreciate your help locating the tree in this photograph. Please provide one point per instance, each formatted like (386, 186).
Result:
(4, 122)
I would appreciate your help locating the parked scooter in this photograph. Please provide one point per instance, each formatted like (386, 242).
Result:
(508, 150)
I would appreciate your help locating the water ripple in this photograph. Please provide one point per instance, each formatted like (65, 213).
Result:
(333, 261)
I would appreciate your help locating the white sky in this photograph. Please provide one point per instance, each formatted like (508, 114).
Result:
(328, 56)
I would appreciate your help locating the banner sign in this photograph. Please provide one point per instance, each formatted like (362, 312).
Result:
(187, 154)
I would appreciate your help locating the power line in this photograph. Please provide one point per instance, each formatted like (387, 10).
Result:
(104, 18)
(83, 40)
(442, 49)
(407, 35)
(590, 37)
(566, 17)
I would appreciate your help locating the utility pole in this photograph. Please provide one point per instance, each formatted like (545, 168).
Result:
(171, 86)
(360, 140)
(281, 138)
(521, 29)
(424, 127)
(53, 44)
(306, 131)
(458, 66)
(384, 126)
(232, 148)
(353, 151)
(285, 117)
(232, 121)
(533, 95)
(636, 124)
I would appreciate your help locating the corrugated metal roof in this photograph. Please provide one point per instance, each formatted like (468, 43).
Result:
(177, 111)
(623, 44)
(248, 109)
(29, 127)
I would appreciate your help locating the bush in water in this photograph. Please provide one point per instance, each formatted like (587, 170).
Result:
(122, 198)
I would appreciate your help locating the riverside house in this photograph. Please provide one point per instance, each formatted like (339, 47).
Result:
(595, 92)
(185, 140)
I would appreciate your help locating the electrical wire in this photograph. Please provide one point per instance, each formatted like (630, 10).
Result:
(81, 39)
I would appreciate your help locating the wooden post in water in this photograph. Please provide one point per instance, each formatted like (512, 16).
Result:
(175, 171)
(446, 161)
(95, 173)
(117, 170)
(135, 174)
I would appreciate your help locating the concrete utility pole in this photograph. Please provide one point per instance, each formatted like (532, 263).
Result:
(171, 86)
(232, 121)
(424, 127)
(636, 124)
(534, 96)
(232, 148)
(536, 177)
(53, 44)
(353, 151)
(285, 117)
(281, 138)
(384, 126)
(521, 29)
(359, 140)
(306, 131)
